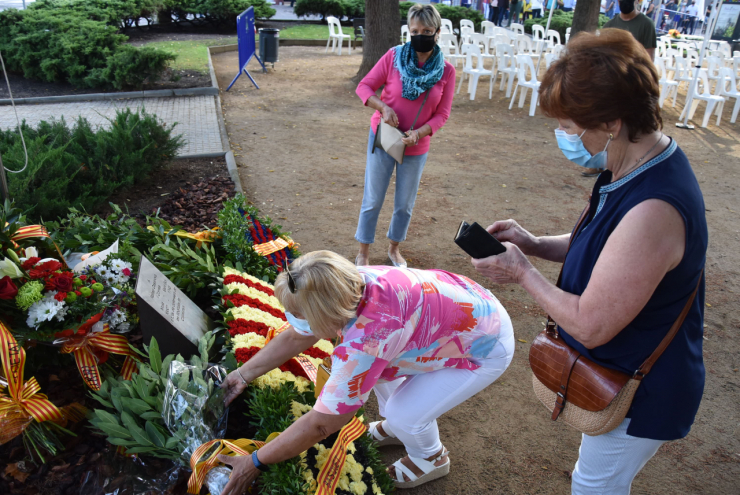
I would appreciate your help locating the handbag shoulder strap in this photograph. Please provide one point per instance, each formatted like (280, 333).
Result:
(646, 366)
(649, 362)
(420, 108)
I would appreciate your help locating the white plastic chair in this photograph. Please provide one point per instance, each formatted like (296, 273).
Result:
(682, 72)
(538, 32)
(714, 69)
(524, 47)
(484, 43)
(450, 48)
(465, 34)
(405, 33)
(705, 96)
(668, 86)
(467, 23)
(567, 35)
(506, 65)
(517, 28)
(671, 54)
(487, 28)
(553, 36)
(524, 65)
(692, 56)
(336, 36)
(475, 72)
(446, 27)
(557, 50)
(553, 55)
(728, 89)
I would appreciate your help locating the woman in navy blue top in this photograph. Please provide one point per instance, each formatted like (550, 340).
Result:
(635, 260)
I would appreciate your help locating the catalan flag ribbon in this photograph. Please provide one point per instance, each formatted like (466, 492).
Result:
(330, 473)
(22, 403)
(200, 237)
(224, 447)
(267, 248)
(83, 348)
(33, 232)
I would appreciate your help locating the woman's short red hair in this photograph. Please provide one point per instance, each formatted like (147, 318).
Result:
(602, 78)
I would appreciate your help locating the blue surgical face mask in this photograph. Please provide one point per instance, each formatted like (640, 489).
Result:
(572, 147)
(301, 326)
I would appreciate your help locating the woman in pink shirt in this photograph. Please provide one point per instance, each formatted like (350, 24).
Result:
(409, 73)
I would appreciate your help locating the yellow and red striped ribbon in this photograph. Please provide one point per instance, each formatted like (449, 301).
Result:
(330, 472)
(200, 468)
(81, 347)
(23, 400)
(201, 237)
(273, 332)
(267, 248)
(308, 367)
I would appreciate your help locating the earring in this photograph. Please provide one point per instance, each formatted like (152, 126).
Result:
(611, 136)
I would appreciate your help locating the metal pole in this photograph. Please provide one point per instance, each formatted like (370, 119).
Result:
(547, 28)
(690, 97)
(3, 182)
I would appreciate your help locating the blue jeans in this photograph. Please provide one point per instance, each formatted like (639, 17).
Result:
(378, 173)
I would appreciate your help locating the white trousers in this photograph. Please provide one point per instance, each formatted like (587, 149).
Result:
(608, 463)
(411, 406)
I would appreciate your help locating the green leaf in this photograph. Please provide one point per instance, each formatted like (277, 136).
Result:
(155, 434)
(140, 450)
(155, 357)
(107, 417)
(114, 431)
(136, 431)
(136, 406)
(151, 415)
(166, 365)
(171, 443)
(101, 400)
(121, 442)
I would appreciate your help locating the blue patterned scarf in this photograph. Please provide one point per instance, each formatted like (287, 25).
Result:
(414, 79)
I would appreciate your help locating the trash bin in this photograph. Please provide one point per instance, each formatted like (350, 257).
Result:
(269, 40)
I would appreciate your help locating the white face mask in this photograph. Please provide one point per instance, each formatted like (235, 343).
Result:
(300, 326)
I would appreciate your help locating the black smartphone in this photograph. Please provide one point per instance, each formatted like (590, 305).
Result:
(476, 241)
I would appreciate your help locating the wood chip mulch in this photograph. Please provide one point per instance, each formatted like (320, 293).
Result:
(195, 207)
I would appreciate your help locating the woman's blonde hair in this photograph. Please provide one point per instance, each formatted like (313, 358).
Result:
(328, 289)
(426, 14)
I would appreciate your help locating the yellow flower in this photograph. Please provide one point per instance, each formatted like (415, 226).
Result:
(275, 378)
(248, 340)
(245, 290)
(358, 487)
(257, 315)
(298, 409)
(325, 346)
(376, 489)
(231, 271)
(369, 470)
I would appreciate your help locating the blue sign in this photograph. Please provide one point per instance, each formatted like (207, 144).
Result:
(247, 47)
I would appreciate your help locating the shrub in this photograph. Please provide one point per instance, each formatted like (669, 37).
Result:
(121, 13)
(218, 10)
(80, 166)
(454, 14)
(560, 22)
(323, 8)
(65, 45)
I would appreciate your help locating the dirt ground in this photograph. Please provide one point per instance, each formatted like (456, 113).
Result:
(300, 143)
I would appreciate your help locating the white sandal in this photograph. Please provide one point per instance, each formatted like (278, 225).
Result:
(380, 439)
(431, 472)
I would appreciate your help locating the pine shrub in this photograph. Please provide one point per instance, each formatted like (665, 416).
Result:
(80, 166)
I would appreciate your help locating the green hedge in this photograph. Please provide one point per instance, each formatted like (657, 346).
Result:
(65, 45)
(560, 22)
(80, 166)
(336, 8)
(217, 11)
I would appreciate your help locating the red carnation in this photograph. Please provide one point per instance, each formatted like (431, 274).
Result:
(63, 282)
(241, 326)
(83, 277)
(28, 264)
(78, 293)
(244, 354)
(44, 269)
(8, 290)
(60, 296)
(294, 367)
(315, 352)
(126, 271)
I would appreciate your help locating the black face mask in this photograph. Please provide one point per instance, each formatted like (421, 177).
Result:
(423, 43)
(626, 6)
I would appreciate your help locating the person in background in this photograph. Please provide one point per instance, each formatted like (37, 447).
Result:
(602, 8)
(567, 5)
(515, 9)
(408, 74)
(493, 12)
(692, 12)
(536, 9)
(526, 9)
(642, 28)
(503, 7)
(634, 263)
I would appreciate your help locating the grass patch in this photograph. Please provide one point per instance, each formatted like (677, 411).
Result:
(193, 55)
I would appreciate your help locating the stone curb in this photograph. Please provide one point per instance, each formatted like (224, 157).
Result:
(158, 93)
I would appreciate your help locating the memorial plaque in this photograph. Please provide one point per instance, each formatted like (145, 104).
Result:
(166, 313)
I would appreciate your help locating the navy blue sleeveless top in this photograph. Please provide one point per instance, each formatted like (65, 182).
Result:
(667, 400)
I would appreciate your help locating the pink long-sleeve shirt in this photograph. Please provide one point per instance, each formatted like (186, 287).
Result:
(436, 109)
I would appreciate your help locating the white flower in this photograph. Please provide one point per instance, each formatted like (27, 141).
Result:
(9, 269)
(45, 310)
(116, 319)
(102, 271)
(31, 252)
(116, 265)
(121, 279)
(123, 328)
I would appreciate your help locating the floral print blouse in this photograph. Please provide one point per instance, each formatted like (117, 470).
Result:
(409, 322)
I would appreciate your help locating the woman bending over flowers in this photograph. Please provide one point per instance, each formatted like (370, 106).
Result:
(423, 340)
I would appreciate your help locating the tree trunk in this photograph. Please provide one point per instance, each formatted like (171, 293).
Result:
(382, 31)
(586, 16)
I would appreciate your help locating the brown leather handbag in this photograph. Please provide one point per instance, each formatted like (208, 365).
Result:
(587, 396)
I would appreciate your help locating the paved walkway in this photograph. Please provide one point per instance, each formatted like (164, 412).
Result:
(195, 117)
